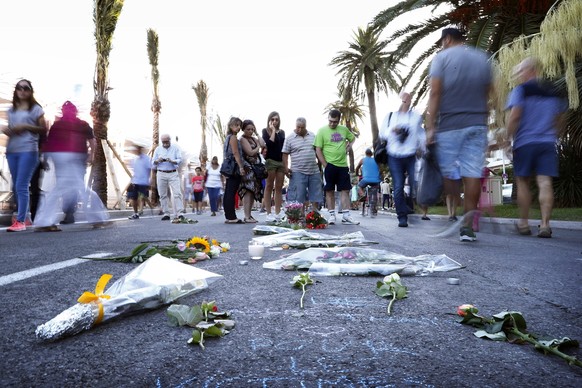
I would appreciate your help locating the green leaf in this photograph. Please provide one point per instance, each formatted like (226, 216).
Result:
(492, 336)
(214, 331)
(228, 324)
(138, 249)
(401, 292)
(181, 315)
(560, 343)
(196, 337)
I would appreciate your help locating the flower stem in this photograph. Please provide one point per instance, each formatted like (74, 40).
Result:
(528, 338)
(302, 295)
(391, 302)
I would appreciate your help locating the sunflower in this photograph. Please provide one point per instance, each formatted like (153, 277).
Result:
(198, 243)
(215, 242)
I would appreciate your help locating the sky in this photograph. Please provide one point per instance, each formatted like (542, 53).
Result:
(255, 57)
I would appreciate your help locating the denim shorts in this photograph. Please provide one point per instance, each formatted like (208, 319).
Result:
(304, 187)
(462, 149)
(536, 159)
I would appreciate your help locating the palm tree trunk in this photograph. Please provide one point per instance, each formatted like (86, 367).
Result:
(373, 120)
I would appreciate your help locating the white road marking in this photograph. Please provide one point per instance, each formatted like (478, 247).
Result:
(15, 277)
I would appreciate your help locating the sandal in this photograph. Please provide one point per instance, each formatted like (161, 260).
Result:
(235, 221)
(545, 232)
(52, 228)
(251, 220)
(523, 230)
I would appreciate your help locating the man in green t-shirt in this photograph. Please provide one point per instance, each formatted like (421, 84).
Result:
(332, 143)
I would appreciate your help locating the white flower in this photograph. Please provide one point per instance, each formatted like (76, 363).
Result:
(393, 277)
(215, 251)
(225, 246)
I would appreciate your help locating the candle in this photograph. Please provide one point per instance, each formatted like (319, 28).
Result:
(256, 251)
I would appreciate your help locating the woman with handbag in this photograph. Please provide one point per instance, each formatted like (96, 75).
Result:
(251, 187)
(232, 168)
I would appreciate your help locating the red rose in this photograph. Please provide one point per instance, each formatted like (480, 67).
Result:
(214, 308)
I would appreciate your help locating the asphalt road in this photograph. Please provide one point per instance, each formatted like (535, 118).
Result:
(343, 337)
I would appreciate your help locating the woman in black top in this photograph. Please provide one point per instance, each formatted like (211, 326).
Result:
(274, 138)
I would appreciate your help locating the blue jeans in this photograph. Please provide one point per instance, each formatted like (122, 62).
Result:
(22, 166)
(398, 167)
(213, 193)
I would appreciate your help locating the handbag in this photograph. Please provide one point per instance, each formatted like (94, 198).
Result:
(229, 167)
(430, 182)
(260, 170)
(380, 153)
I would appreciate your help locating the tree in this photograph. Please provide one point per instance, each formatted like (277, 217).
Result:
(105, 16)
(153, 54)
(365, 67)
(201, 91)
(488, 24)
(351, 111)
(219, 129)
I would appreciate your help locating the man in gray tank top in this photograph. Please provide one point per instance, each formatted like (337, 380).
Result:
(460, 83)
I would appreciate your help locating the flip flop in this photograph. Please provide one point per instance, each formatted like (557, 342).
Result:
(250, 220)
(237, 221)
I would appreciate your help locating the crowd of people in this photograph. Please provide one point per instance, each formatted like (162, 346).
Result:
(315, 164)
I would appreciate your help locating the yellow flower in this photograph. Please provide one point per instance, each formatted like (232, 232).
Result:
(199, 243)
(214, 242)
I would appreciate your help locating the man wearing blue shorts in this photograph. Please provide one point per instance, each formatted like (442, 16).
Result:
(304, 176)
(332, 143)
(460, 83)
(535, 112)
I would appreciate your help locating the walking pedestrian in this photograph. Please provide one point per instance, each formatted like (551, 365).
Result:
(232, 149)
(385, 189)
(535, 113)
(332, 144)
(138, 190)
(166, 160)
(214, 184)
(26, 124)
(198, 190)
(460, 84)
(402, 130)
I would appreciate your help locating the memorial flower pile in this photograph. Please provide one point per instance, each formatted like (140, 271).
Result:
(206, 320)
(190, 250)
(511, 326)
(314, 220)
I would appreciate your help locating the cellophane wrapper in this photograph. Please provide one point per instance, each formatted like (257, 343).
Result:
(302, 239)
(155, 283)
(362, 261)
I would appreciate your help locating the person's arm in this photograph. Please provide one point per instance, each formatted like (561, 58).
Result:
(92, 147)
(237, 156)
(434, 101)
(286, 168)
(320, 157)
(359, 166)
(513, 120)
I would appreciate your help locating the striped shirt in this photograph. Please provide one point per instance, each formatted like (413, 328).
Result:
(302, 153)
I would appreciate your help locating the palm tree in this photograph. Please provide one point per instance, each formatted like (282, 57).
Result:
(351, 111)
(153, 53)
(201, 91)
(105, 16)
(366, 67)
(219, 129)
(488, 24)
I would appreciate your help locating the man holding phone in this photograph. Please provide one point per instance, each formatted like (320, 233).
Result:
(166, 160)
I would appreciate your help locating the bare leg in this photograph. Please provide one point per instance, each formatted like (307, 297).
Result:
(546, 198)
(279, 179)
(523, 199)
(345, 198)
(267, 197)
(472, 194)
(330, 200)
(248, 200)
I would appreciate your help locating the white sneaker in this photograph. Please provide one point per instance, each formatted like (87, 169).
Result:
(270, 218)
(348, 220)
(280, 217)
(331, 220)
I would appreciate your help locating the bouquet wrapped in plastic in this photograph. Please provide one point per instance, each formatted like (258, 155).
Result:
(156, 282)
(264, 230)
(302, 239)
(362, 261)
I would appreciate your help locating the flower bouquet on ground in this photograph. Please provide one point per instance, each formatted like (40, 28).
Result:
(510, 326)
(155, 283)
(265, 230)
(294, 212)
(314, 220)
(302, 239)
(189, 251)
(362, 261)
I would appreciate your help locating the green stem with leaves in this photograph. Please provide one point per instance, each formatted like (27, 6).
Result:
(547, 349)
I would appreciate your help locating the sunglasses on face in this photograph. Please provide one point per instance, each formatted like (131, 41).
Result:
(23, 88)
